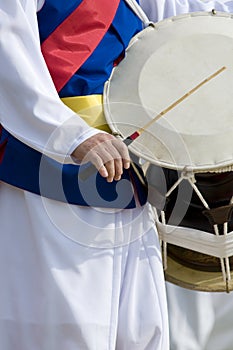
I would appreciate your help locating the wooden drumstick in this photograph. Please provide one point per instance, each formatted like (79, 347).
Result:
(137, 133)
(129, 139)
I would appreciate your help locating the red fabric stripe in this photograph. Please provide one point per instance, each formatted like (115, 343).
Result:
(71, 43)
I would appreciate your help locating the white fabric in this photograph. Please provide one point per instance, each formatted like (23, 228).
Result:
(157, 10)
(198, 320)
(57, 293)
(28, 89)
(139, 11)
(197, 240)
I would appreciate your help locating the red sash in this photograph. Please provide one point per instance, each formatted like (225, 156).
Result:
(74, 40)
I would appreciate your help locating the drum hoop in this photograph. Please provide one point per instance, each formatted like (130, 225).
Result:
(189, 278)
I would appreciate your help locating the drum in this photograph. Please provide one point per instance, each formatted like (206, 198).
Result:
(172, 96)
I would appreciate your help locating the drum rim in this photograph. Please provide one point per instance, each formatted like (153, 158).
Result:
(199, 281)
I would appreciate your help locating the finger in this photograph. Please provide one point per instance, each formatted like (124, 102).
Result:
(114, 164)
(98, 163)
(103, 160)
(103, 171)
(115, 170)
(107, 159)
(118, 169)
(123, 151)
(110, 167)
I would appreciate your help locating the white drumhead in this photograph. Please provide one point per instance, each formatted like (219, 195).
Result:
(162, 64)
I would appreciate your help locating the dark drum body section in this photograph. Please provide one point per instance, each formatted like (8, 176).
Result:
(217, 189)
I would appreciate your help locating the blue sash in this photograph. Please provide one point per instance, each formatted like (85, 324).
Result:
(28, 169)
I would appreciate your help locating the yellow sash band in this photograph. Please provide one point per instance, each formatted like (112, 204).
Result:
(90, 109)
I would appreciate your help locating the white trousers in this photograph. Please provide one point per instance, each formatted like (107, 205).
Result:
(61, 294)
(200, 320)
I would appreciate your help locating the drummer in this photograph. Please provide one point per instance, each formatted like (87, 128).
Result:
(67, 284)
(81, 268)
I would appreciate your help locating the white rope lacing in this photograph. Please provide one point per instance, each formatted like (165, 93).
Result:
(164, 243)
(222, 248)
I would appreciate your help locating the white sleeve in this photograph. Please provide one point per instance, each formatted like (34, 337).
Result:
(30, 107)
(157, 10)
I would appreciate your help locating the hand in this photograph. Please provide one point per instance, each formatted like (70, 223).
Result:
(108, 154)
